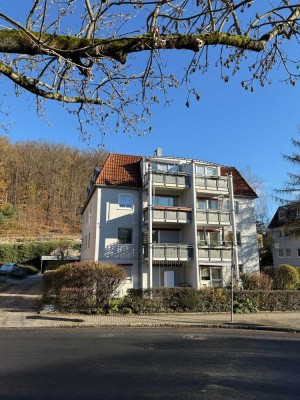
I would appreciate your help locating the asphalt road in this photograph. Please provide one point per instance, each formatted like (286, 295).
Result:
(119, 363)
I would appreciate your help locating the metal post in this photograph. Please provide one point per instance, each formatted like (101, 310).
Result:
(150, 259)
(232, 271)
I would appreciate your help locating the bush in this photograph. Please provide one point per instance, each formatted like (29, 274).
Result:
(258, 281)
(286, 277)
(82, 286)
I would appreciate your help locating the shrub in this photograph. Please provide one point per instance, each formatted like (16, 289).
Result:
(286, 277)
(258, 281)
(82, 286)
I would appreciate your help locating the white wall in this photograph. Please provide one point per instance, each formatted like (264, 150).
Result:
(246, 224)
(90, 229)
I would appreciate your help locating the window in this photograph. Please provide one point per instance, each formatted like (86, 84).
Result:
(280, 252)
(125, 235)
(205, 170)
(281, 214)
(212, 274)
(208, 204)
(165, 167)
(278, 234)
(298, 252)
(165, 201)
(209, 237)
(125, 201)
(288, 252)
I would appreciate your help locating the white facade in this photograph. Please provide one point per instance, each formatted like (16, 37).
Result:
(178, 227)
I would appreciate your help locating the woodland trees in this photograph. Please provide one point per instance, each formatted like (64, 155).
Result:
(104, 60)
(46, 183)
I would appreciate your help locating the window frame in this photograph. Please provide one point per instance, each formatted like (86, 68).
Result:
(124, 206)
(208, 202)
(280, 253)
(165, 167)
(122, 240)
(206, 169)
(174, 198)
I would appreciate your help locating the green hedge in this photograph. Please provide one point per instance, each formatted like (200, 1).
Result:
(23, 252)
(209, 300)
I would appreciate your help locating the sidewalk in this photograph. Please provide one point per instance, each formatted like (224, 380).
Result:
(275, 321)
(18, 310)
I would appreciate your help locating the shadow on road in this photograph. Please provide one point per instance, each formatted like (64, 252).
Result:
(39, 317)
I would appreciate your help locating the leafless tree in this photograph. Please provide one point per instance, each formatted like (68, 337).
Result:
(102, 59)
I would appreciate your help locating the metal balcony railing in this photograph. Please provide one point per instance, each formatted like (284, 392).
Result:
(119, 251)
(170, 252)
(213, 217)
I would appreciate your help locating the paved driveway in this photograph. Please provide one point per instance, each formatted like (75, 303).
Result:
(21, 295)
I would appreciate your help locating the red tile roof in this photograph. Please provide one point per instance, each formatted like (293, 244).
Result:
(121, 170)
(240, 186)
(125, 170)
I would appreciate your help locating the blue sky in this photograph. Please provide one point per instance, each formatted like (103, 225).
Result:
(228, 125)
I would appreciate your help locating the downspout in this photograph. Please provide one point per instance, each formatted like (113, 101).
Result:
(150, 217)
(233, 222)
(195, 265)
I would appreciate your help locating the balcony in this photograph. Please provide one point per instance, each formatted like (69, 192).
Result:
(169, 180)
(178, 215)
(119, 251)
(170, 252)
(218, 252)
(212, 184)
(213, 217)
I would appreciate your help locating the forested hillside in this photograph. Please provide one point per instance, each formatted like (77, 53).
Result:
(43, 187)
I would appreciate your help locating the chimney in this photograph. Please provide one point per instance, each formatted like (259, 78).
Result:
(158, 152)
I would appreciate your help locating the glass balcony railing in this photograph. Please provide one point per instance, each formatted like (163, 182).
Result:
(212, 184)
(170, 252)
(213, 217)
(214, 252)
(169, 214)
(172, 180)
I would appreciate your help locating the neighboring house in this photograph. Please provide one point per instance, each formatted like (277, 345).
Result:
(170, 221)
(285, 246)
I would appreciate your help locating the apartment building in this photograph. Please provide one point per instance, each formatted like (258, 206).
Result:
(286, 245)
(170, 221)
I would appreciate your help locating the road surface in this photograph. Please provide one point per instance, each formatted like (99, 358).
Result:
(136, 364)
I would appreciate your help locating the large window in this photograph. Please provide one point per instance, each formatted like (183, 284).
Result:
(125, 235)
(165, 201)
(165, 167)
(207, 204)
(213, 275)
(125, 201)
(209, 237)
(206, 170)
